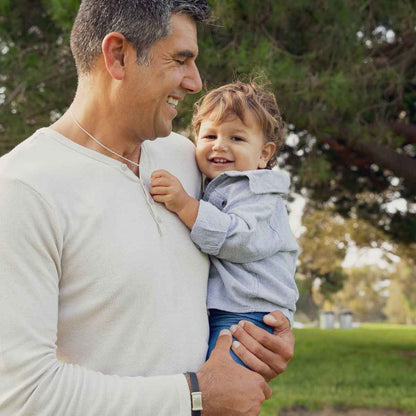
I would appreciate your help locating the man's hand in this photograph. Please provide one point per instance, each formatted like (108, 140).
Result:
(264, 353)
(228, 388)
(167, 189)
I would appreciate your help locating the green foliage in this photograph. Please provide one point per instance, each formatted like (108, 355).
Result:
(401, 304)
(364, 293)
(46, 76)
(62, 12)
(335, 75)
(315, 171)
(4, 7)
(370, 367)
(323, 245)
(396, 309)
(332, 282)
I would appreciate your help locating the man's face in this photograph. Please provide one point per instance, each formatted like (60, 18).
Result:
(152, 92)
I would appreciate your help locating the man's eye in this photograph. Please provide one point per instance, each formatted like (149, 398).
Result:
(180, 62)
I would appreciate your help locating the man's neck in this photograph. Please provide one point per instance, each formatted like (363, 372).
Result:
(110, 139)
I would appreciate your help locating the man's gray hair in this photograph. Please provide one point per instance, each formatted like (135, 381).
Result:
(142, 22)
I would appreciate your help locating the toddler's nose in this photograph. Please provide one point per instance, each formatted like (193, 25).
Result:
(219, 145)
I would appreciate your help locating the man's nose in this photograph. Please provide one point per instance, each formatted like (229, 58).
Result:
(192, 81)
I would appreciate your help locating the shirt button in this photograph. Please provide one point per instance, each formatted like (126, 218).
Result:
(124, 167)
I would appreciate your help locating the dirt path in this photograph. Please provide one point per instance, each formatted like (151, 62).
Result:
(299, 411)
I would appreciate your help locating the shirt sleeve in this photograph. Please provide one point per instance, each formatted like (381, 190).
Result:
(242, 232)
(32, 380)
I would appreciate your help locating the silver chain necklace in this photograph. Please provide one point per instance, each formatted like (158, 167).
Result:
(98, 142)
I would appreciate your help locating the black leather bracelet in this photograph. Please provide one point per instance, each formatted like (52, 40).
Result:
(196, 395)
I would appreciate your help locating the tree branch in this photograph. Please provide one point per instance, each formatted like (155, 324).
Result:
(408, 131)
(401, 165)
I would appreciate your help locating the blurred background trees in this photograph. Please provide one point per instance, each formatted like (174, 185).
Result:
(344, 74)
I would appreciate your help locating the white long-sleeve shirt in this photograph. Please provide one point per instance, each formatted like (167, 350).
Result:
(102, 292)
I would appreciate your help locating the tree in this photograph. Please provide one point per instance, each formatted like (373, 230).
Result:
(38, 77)
(365, 293)
(343, 73)
(401, 304)
(323, 249)
(324, 279)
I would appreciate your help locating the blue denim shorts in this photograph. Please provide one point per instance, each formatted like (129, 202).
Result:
(219, 320)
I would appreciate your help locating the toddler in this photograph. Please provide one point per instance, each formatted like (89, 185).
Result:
(241, 220)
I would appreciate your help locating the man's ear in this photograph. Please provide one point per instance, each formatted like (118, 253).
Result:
(268, 151)
(114, 47)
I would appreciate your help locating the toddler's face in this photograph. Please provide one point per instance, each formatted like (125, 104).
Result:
(232, 145)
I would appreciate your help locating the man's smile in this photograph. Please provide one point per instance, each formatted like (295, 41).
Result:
(172, 102)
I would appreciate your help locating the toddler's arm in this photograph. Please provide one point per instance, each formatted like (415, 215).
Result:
(167, 188)
(242, 231)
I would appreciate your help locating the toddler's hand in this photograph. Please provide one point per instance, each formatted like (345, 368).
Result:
(166, 188)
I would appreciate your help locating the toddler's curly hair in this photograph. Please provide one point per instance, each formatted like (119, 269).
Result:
(234, 100)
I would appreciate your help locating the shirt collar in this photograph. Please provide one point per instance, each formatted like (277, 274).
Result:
(260, 181)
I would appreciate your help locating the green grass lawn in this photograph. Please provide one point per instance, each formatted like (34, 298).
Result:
(370, 367)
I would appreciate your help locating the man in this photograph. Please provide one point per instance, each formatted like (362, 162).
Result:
(102, 298)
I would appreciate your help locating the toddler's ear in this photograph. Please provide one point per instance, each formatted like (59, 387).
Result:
(268, 151)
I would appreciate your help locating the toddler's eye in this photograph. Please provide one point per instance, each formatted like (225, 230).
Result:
(210, 137)
(236, 139)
